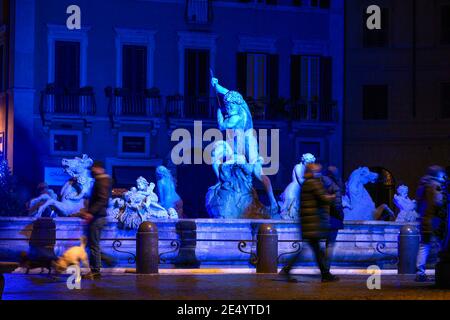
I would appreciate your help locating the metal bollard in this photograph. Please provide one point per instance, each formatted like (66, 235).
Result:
(267, 249)
(408, 246)
(147, 257)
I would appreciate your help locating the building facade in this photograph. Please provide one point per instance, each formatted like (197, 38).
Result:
(397, 105)
(117, 88)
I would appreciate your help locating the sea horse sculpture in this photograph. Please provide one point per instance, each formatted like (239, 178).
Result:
(74, 192)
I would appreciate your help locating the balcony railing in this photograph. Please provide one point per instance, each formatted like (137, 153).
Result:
(123, 103)
(313, 111)
(191, 107)
(261, 109)
(68, 101)
(199, 12)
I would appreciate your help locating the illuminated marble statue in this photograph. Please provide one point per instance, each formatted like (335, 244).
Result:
(75, 191)
(45, 194)
(139, 204)
(242, 163)
(357, 202)
(233, 196)
(290, 198)
(165, 186)
(406, 206)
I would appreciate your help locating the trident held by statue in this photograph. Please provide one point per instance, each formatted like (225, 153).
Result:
(217, 96)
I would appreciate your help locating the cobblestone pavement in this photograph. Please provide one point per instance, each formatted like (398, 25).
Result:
(222, 286)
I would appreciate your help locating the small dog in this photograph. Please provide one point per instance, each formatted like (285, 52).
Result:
(73, 256)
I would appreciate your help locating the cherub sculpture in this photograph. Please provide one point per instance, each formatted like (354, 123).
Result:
(140, 204)
(406, 206)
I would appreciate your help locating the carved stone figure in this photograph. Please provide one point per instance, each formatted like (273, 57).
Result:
(290, 198)
(74, 191)
(45, 194)
(358, 204)
(406, 206)
(139, 204)
(236, 120)
(165, 186)
(233, 196)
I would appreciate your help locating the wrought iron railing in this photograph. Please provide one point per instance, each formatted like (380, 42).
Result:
(191, 107)
(297, 245)
(261, 109)
(129, 104)
(68, 101)
(313, 111)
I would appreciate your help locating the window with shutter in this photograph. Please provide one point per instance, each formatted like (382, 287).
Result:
(309, 78)
(67, 64)
(196, 83)
(134, 68)
(256, 75)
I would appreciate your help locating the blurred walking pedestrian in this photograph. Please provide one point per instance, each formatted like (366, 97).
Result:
(315, 221)
(432, 214)
(95, 215)
(334, 186)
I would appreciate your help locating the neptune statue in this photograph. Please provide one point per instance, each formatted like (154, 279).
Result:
(236, 161)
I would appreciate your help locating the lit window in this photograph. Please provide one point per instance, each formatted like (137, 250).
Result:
(256, 75)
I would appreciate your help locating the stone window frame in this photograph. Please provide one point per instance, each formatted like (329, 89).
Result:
(61, 33)
(143, 37)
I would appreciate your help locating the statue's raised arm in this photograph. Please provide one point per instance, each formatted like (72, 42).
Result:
(219, 89)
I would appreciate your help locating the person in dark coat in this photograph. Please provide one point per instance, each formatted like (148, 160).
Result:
(333, 185)
(95, 215)
(314, 219)
(431, 210)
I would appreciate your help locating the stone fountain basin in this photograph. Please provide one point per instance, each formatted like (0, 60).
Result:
(360, 243)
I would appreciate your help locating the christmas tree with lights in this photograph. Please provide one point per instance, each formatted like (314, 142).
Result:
(9, 205)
